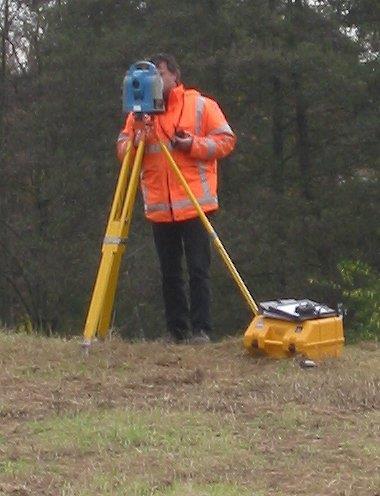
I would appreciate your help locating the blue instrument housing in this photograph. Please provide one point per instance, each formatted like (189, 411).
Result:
(143, 89)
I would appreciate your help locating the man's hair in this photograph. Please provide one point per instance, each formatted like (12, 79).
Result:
(171, 63)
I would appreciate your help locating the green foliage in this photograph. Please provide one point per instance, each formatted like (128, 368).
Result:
(360, 286)
(357, 289)
(298, 195)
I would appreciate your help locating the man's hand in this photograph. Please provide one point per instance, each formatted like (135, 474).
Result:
(182, 141)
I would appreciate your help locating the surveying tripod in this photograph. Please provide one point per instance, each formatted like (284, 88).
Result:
(114, 243)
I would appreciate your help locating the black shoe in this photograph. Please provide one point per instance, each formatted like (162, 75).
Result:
(199, 337)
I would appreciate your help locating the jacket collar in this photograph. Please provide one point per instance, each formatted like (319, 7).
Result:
(175, 95)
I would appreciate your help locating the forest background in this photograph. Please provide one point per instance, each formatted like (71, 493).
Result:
(299, 83)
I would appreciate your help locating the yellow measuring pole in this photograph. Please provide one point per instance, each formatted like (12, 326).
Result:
(218, 244)
(114, 243)
(103, 296)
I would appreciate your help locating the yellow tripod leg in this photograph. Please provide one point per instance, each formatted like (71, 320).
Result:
(99, 314)
(98, 295)
(121, 186)
(124, 225)
(109, 294)
(218, 244)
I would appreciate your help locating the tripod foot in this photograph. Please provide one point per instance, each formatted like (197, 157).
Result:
(85, 347)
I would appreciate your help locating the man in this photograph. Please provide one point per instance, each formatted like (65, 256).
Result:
(197, 134)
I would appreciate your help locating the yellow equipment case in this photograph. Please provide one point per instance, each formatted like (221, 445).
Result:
(288, 327)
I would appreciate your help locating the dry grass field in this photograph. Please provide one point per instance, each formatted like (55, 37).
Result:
(148, 419)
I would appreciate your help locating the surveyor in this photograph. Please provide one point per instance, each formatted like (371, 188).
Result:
(197, 134)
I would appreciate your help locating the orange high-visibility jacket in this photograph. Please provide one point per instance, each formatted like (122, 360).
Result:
(165, 200)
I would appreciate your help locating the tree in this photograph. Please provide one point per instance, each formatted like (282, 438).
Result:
(297, 90)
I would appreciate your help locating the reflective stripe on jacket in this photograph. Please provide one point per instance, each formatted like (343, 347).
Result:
(165, 200)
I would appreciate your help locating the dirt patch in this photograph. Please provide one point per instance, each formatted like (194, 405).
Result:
(238, 419)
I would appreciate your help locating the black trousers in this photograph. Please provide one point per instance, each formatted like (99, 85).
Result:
(172, 240)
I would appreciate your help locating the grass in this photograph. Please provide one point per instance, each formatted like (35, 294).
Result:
(144, 419)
